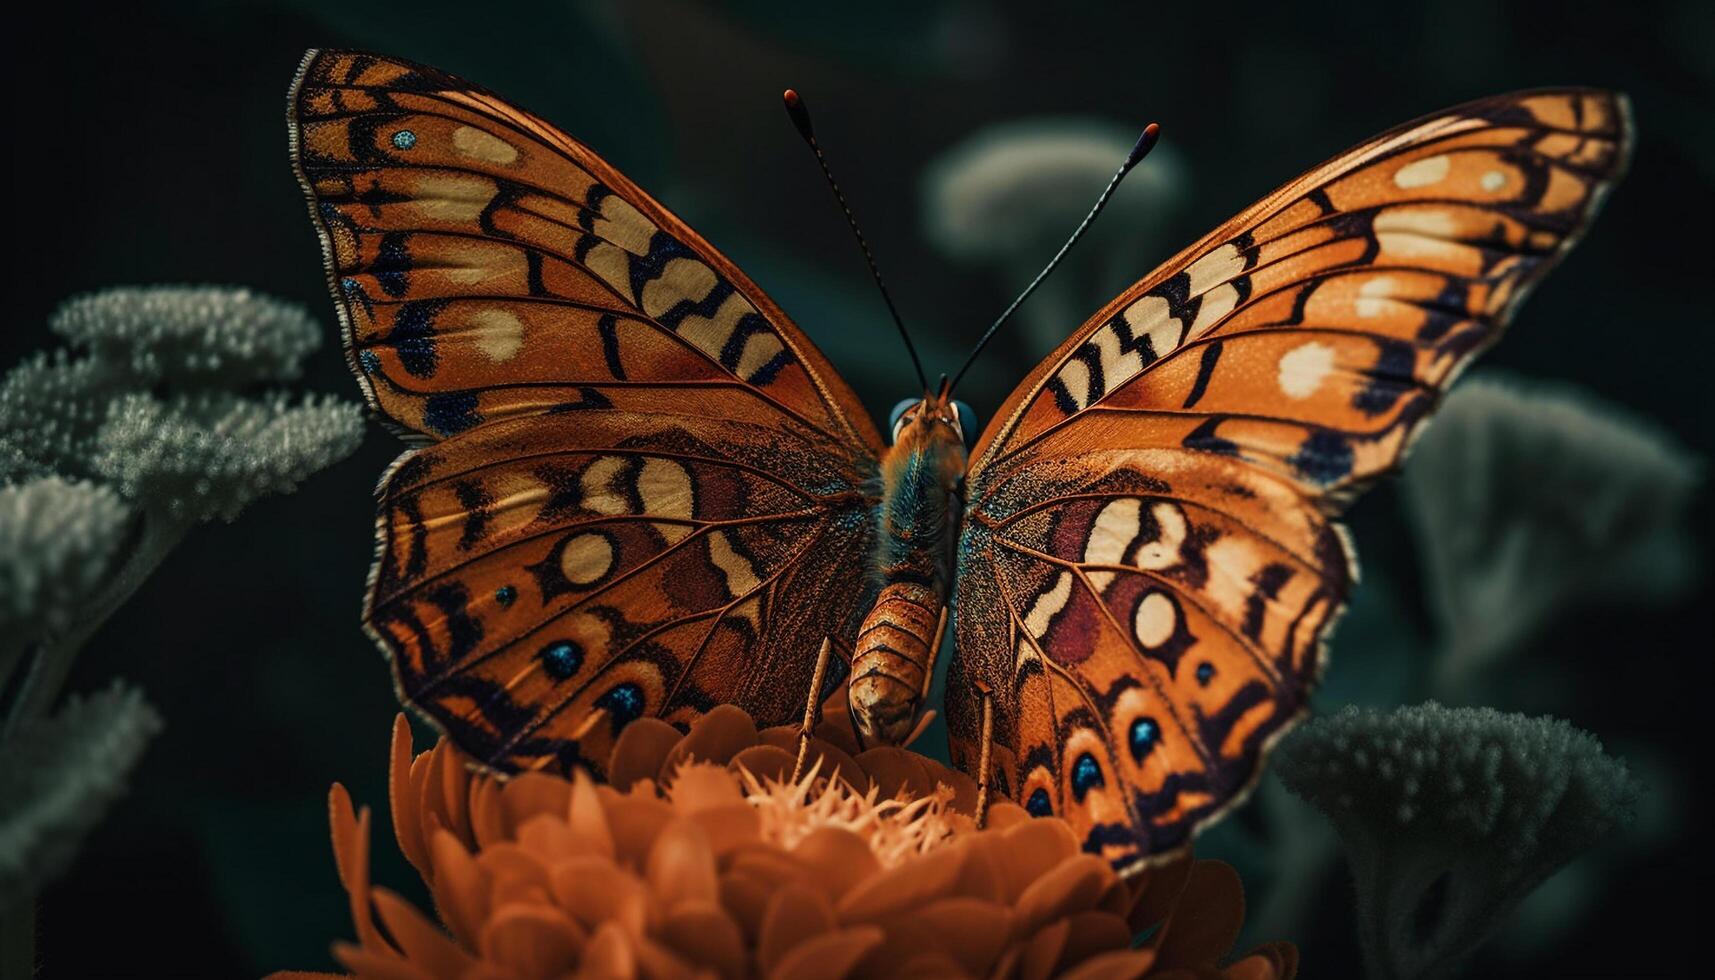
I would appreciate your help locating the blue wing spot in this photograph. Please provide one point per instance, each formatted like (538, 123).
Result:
(1086, 776)
(1145, 733)
(624, 704)
(404, 139)
(1038, 805)
(451, 412)
(348, 284)
(505, 595)
(561, 658)
(368, 361)
(1205, 673)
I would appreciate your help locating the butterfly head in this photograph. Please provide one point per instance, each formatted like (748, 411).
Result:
(918, 419)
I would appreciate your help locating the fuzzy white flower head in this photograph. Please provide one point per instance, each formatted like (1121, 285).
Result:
(1528, 497)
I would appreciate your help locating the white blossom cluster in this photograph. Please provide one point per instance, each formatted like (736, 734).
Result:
(146, 424)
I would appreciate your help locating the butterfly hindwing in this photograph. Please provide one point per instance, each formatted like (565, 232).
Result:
(1150, 514)
(640, 489)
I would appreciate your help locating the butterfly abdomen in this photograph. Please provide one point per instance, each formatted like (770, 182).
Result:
(918, 523)
(893, 659)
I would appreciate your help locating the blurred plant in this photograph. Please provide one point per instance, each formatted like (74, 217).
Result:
(110, 451)
(714, 862)
(1529, 498)
(1450, 817)
(1008, 196)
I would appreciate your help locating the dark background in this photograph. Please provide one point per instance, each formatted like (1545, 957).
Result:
(147, 144)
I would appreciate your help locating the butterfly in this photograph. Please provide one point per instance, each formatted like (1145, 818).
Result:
(637, 489)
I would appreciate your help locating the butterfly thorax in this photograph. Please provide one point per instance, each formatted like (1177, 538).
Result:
(917, 533)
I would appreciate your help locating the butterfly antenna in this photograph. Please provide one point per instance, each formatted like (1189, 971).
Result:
(800, 114)
(1145, 142)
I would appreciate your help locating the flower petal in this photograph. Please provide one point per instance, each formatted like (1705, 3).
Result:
(590, 889)
(746, 899)
(587, 817)
(635, 822)
(970, 930)
(401, 801)
(903, 887)
(729, 827)
(715, 737)
(765, 762)
(418, 938)
(1206, 920)
(1094, 933)
(1029, 850)
(642, 748)
(609, 953)
(681, 865)
(531, 940)
(796, 914)
(488, 823)
(1072, 886)
(376, 966)
(1042, 951)
(706, 936)
(1158, 893)
(1121, 964)
(838, 858)
(700, 786)
(459, 887)
(832, 956)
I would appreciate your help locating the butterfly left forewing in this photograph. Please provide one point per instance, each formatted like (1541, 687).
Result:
(1153, 506)
(641, 490)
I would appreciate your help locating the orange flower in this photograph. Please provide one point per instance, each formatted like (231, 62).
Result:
(713, 862)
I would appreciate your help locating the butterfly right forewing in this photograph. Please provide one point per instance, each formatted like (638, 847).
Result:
(1150, 562)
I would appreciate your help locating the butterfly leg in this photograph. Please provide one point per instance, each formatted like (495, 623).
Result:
(934, 654)
(985, 761)
(812, 707)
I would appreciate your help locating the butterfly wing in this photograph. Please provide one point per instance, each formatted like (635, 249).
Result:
(1150, 560)
(640, 487)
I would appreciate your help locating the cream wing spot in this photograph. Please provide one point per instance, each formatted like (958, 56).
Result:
(1155, 620)
(1116, 525)
(665, 487)
(1493, 181)
(442, 197)
(740, 574)
(1374, 296)
(498, 333)
(599, 495)
(1163, 552)
(1219, 266)
(468, 141)
(1422, 173)
(1303, 369)
(586, 558)
(1048, 605)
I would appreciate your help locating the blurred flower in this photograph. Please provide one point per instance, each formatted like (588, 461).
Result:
(148, 400)
(57, 541)
(58, 776)
(1528, 498)
(1008, 196)
(1450, 817)
(713, 861)
(112, 449)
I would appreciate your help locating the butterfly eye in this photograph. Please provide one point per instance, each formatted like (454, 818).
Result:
(896, 420)
(966, 422)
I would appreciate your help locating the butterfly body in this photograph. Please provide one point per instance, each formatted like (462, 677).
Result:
(917, 532)
(638, 489)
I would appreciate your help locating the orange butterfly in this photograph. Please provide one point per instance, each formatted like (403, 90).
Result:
(641, 490)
